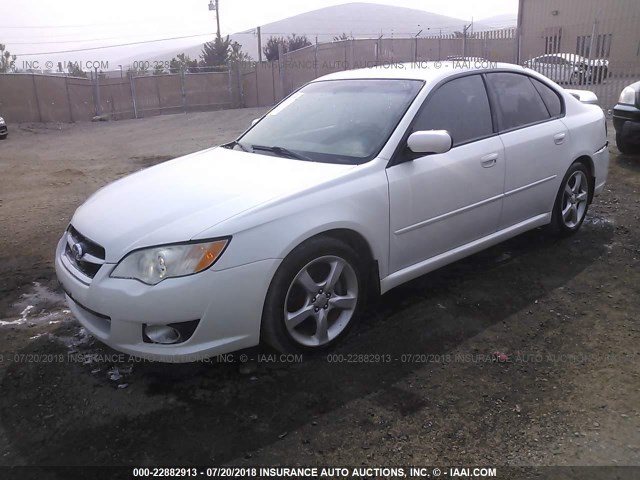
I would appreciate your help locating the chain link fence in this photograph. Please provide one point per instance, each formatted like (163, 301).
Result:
(580, 44)
(31, 97)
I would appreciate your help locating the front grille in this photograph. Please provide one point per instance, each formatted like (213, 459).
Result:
(91, 256)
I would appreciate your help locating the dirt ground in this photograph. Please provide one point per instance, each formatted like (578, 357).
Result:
(415, 383)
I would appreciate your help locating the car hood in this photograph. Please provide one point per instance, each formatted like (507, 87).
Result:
(176, 200)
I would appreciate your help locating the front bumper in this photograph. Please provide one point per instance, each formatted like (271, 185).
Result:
(626, 121)
(228, 304)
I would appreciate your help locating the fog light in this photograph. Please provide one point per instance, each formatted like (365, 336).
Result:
(163, 334)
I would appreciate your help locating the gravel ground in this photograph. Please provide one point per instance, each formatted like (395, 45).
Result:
(416, 383)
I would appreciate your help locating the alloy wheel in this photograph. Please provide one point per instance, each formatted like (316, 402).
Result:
(321, 300)
(574, 199)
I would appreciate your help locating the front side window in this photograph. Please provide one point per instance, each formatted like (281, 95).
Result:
(518, 101)
(461, 107)
(333, 121)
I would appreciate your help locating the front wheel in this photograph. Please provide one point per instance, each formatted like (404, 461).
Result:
(625, 147)
(314, 297)
(572, 201)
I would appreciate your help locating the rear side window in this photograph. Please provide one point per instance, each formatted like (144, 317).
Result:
(550, 98)
(518, 102)
(461, 107)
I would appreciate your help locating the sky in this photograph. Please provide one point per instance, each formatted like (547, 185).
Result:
(31, 28)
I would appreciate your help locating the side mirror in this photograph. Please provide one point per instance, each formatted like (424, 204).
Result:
(429, 141)
(254, 121)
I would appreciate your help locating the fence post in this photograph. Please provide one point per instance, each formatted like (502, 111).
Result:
(98, 101)
(230, 86)
(35, 94)
(66, 87)
(155, 77)
(273, 81)
(315, 59)
(257, 84)
(183, 91)
(281, 69)
(345, 56)
(240, 85)
(352, 61)
(133, 93)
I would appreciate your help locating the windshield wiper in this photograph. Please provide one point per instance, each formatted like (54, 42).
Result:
(282, 152)
(233, 144)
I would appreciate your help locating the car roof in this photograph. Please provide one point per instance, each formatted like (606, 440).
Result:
(425, 71)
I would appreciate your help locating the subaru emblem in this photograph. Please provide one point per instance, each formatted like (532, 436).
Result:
(78, 251)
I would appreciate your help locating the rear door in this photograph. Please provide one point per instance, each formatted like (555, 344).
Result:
(536, 143)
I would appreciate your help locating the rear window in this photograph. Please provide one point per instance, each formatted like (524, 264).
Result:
(519, 103)
(549, 97)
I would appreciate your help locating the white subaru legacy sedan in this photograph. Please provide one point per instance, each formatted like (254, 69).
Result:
(354, 184)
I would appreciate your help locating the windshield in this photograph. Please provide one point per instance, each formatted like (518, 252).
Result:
(335, 121)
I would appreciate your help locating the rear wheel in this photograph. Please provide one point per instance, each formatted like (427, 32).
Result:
(572, 201)
(314, 297)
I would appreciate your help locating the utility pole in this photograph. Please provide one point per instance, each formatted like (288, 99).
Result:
(259, 45)
(214, 5)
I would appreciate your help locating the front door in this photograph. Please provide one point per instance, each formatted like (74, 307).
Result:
(442, 201)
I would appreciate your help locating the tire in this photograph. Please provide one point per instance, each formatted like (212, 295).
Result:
(307, 294)
(572, 201)
(625, 147)
(3, 137)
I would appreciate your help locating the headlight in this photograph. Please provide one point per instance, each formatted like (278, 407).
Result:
(1, 121)
(152, 265)
(628, 96)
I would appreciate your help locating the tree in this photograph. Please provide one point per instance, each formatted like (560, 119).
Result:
(158, 69)
(270, 49)
(340, 38)
(7, 61)
(182, 62)
(296, 42)
(236, 55)
(139, 71)
(74, 70)
(216, 53)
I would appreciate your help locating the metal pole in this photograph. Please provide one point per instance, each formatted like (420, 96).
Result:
(98, 100)
(258, 85)
(35, 94)
(183, 91)
(519, 32)
(133, 93)
(590, 68)
(218, 16)
(66, 87)
(440, 46)
(259, 45)
(281, 69)
(315, 59)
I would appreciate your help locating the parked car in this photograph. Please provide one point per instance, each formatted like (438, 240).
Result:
(4, 130)
(570, 68)
(626, 119)
(354, 184)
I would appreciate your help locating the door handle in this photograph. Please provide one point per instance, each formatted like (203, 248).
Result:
(559, 138)
(489, 160)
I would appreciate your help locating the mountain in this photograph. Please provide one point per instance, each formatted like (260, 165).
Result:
(508, 20)
(360, 20)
